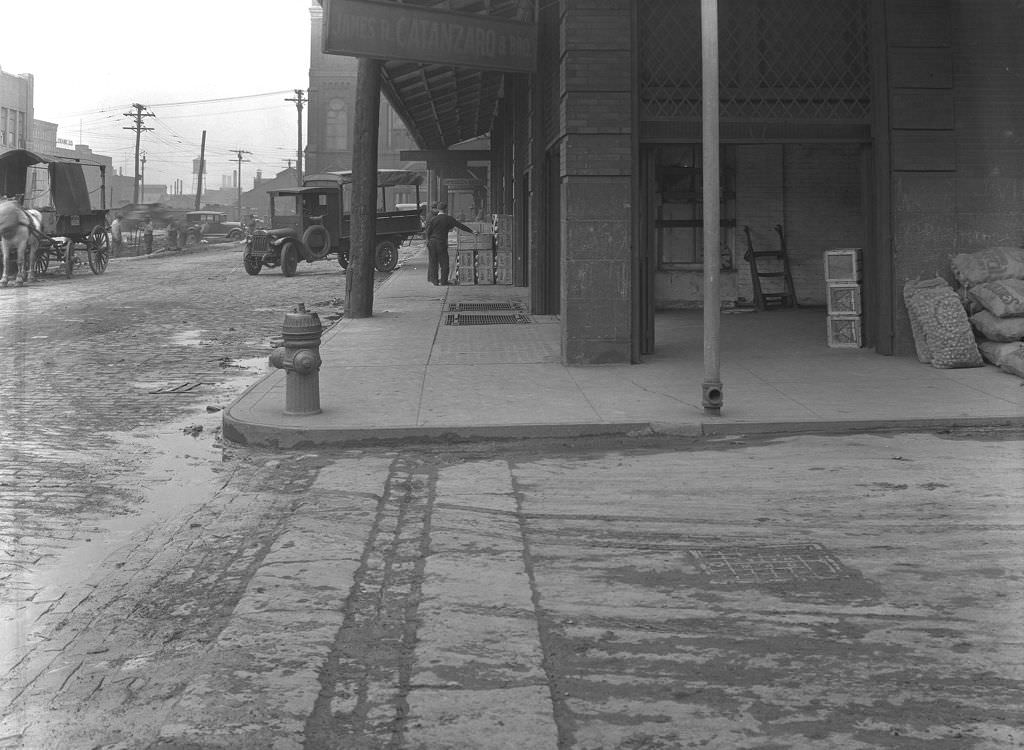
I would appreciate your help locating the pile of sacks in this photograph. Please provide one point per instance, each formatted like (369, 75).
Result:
(992, 288)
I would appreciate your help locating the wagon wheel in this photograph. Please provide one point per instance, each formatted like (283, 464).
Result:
(42, 261)
(99, 249)
(386, 256)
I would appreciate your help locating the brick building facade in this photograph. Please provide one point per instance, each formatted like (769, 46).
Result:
(895, 126)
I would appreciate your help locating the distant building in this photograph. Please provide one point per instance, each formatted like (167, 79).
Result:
(331, 112)
(257, 201)
(17, 110)
(44, 137)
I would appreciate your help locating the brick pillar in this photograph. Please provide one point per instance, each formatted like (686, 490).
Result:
(922, 147)
(595, 177)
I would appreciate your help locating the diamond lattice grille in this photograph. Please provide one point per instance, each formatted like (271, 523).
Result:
(780, 60)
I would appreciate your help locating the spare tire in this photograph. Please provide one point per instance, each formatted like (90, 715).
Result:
(318, 241)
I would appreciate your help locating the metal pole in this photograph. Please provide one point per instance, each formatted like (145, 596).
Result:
(711, 388)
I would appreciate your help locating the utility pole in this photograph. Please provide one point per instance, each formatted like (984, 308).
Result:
(239, 153)
(138, 127)
(202, 168)
(142, 179)
(298, 105)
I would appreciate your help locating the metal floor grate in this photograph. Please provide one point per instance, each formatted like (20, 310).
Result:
(484, 306)
(471, 319)
(769, 563)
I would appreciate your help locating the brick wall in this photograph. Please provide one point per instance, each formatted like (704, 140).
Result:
(988, 64)
(815, 192)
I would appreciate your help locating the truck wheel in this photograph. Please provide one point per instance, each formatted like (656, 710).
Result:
(289, 258)
(318, 240)
(386, 257)
(252, 265)
(343, 255)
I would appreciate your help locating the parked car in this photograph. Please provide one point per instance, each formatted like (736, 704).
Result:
(212, 224)
(311, 223)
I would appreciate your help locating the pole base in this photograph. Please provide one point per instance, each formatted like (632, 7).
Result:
(711, 395)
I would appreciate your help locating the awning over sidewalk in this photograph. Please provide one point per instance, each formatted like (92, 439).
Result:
(444, 105)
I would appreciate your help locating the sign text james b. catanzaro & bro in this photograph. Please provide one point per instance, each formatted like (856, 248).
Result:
(395, 31)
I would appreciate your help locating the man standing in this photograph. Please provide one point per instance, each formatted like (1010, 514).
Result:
(116, 236)
(147, 236)
(436, 232)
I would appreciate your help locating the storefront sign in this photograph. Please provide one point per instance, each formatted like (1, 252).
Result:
(393, 31)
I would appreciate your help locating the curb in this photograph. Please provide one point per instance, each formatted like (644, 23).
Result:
(297, 437)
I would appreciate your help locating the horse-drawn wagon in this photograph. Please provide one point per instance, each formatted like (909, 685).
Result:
(55, 211)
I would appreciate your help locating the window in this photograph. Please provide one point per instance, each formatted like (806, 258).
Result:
(679, 205)
(336, 131)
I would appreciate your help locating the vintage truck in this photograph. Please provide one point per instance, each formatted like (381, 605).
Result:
(311, 223)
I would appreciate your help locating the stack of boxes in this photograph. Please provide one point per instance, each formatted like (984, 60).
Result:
(843, 289)
(484, 257)
(467, 249)
(502, 227)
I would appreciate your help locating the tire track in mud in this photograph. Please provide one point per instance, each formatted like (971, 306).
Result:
(365, 679)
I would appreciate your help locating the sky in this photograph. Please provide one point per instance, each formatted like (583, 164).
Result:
(226, 66)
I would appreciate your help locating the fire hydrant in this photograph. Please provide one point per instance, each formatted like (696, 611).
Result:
(300, 357)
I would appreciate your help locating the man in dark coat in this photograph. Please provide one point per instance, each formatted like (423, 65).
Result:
(436, 232)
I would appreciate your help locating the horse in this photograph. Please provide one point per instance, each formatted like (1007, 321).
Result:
(20, 230)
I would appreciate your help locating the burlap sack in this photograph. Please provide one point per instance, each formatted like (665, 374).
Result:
(998, 329)
(992, 264)
(942, 332)
(1013, 362)
(996, 352)
(1004, 298)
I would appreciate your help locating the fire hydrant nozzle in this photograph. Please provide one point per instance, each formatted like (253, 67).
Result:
(300, 358)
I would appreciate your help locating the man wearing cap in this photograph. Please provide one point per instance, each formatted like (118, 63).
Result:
(436, 232)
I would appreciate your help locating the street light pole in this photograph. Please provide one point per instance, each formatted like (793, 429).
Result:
(711, 388)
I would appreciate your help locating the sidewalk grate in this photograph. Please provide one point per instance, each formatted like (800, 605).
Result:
(777, 563)
(471, 319)
(484, 306)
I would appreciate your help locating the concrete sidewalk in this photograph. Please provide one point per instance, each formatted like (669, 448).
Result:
(406, 373)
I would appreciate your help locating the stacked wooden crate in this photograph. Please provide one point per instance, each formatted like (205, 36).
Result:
(475, 254)
(843, 290)
(502, 228)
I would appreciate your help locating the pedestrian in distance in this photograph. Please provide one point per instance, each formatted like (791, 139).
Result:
(116, 236)
(147, 236)
(436, 233)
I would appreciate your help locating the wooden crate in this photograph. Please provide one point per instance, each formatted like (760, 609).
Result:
(844, 331)
(453, 266)
(468, 241)
(501, 224)
(466, 275)
(844, 299)
(842, 265)
(484, 266)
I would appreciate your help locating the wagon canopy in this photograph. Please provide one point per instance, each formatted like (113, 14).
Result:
(69, 191)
